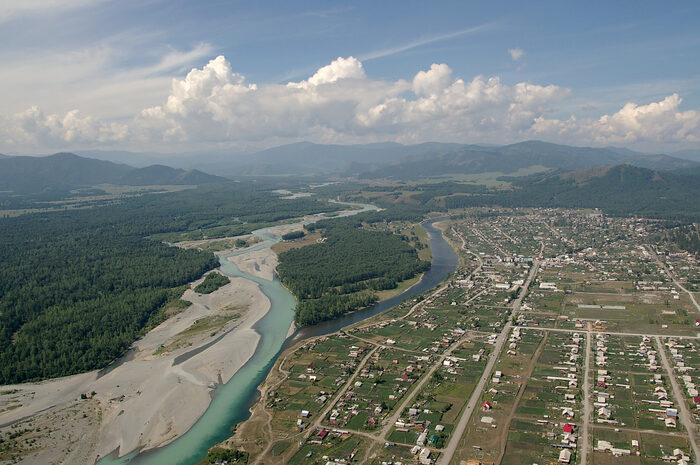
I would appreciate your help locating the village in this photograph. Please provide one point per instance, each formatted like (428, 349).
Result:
(564, 337)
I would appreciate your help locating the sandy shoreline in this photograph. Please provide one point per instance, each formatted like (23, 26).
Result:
(163, 385)
(148, 400)
(261, 263)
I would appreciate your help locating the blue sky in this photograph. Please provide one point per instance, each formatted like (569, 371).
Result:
(99, 73)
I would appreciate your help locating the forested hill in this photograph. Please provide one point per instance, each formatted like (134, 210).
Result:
(511, 158)
(66, 171)
(160, 174)
(618, 190)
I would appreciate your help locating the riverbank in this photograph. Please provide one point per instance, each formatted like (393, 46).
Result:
(155, 394)
(257, 434)
(163, 387)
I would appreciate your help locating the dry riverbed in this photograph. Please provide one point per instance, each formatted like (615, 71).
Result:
(154, 395)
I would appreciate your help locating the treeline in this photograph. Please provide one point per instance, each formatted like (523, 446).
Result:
(293, 235)
(74, 298)
(78, 287)
(620, 190)
(341, 273)
(686, 237)
(211, 282)
(312, 311)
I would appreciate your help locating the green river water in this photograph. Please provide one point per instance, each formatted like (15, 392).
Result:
(232, 400)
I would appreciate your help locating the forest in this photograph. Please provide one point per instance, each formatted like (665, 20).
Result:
(212, 282)
(621, 190)
(78, 287)
(341, 273)
(685, 237)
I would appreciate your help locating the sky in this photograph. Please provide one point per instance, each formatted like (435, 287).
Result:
(179, 76)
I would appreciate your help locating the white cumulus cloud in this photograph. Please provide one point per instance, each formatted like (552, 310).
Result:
(214, 105)
(516, 53)
(655, 122)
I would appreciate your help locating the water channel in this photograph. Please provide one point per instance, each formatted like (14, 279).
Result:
(232, 401)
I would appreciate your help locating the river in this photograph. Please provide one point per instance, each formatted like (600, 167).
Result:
(232, 401)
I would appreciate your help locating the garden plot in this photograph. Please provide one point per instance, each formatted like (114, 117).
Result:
(385, 379)
(631, 389)
(329, 446)
(486, 432)
(315, 373)
(551, 404)
(430, 418)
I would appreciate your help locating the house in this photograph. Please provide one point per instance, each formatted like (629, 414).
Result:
(604, 446)
(565, 456)
(568, 428)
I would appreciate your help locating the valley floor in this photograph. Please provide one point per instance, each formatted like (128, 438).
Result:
(154, 394)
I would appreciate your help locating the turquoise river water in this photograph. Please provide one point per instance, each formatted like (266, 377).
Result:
(232, 401)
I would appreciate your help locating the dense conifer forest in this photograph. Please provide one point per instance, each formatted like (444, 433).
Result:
(212, 282)
(341, 273)
(78, 287)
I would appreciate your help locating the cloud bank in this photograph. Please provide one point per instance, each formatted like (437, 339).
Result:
(215, 106)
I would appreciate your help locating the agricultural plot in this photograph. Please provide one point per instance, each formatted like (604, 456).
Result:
(430, 418)
(531, 441)
(627, 447)
(404, 334)
(324, 446)
(541, 308)
(486, 433)
(396, 453)
(315, 373)
(380, 385)
(634, 312)
(551, 404)
(684, 356)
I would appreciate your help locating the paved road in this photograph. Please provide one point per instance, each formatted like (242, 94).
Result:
(458, 432)
(319, 418)
(587, 406)
(612, 333)
(683, 413)
(673, 277)
(419, 386)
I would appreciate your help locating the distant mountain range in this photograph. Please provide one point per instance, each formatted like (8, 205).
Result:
(389, 160)
(381, 160)
(511, 158)
(67, 171)
(688, 154)
(619, 189)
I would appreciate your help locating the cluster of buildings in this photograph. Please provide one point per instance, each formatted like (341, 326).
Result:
(687, 377)
(567, 386)
(513, 342)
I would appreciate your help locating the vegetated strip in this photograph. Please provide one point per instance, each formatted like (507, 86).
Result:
(78, 287)
(342, 273)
